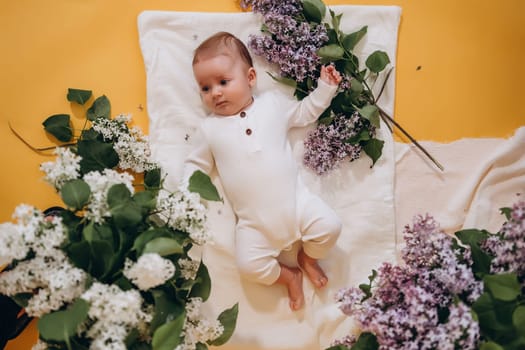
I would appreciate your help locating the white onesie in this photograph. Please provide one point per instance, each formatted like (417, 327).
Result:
(254, 160)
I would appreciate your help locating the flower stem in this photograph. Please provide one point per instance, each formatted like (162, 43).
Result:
(388, 119)
(37, 150)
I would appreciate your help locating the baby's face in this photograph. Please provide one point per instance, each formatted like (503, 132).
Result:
(225, 83)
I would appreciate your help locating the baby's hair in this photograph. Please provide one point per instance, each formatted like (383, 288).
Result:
(220, 43)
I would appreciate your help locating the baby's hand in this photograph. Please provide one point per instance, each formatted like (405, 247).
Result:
(330, 75)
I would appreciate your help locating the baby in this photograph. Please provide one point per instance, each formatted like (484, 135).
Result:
(246, 140)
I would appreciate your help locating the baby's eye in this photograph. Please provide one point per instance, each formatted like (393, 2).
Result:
(205, 89)
(224, 82)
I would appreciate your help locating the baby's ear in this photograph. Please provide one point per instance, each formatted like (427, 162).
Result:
(252, 76)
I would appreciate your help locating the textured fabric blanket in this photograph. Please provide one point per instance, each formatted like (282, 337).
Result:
(374, 203)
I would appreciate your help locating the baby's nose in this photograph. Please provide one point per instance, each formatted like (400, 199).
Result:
(217, 91)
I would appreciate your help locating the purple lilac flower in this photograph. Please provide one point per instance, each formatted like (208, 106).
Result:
(508, 246)
(347, 341)
(403, 310)
(292, 42)
(325, 146)
(288, 7)
(429, 249)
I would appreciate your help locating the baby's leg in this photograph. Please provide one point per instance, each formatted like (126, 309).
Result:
(314, 272)
(257, 262)
(292, 278)
(320, 228)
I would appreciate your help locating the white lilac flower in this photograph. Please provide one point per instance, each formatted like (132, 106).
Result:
(111, 129)
(66, 167)
(31, 232)
(13, 244)
(51, 279)
(114, 313)
(149, 271)
(131, 145)
(184, 211)
(30, 220)
(99, 184)
(40, 345)
(188, 268)
(50, 237)
(197, 328)
(134, 154)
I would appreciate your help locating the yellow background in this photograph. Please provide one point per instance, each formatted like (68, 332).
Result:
(460, 73)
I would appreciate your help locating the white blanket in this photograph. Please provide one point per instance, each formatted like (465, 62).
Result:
(363, 197)
(481, 175)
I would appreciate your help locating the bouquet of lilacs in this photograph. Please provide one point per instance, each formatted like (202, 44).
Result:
(447, 294)
(115, 268)
(297, 39)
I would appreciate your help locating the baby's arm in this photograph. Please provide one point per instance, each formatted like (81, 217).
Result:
(200, 158)
(308, 110)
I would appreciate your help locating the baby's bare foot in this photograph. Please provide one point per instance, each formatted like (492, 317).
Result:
(314, 272)
(295, 289)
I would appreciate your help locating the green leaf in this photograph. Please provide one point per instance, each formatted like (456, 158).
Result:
(370, 112)
(518, 319)
(100, 258)
(339, 103)
(506, 211)
(89, 135)
(356, 86)
(61, 325)
(146, 199)
(228, 319)
(473, 238)
(314, 10)
(79, 96)
(101, 108)
(146, 236)
(163, 246)
(124, 211)
(366, 341)
(97, 232)
(351, 67)
(363, 135)
(59, 126)
(167, 336)
(336, 20)
(201, 346)
(201, 183)
(79, 253)
(118, 193)
(152, 178)
(491, 346)
(165, 308)
(350, 40)
(366, 288)
(22, 299)
(373, 148)
(96, 156)
(75, 193)
(377, 61)
(203, 287)
(503, 286)
(331, 52)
